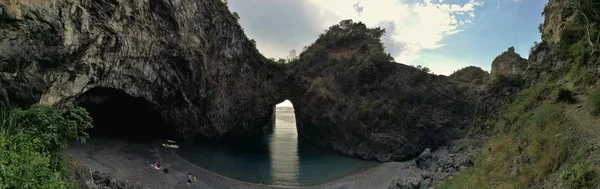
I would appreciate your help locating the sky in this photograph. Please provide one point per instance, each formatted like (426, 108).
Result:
(443, 35)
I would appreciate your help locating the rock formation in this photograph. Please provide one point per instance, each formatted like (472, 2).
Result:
(188, 59)
(191, 63)
(471, 75)
(349, 96)
(508, 63)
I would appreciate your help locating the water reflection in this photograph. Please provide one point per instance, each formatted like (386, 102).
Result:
(280, 158)
(285, 169)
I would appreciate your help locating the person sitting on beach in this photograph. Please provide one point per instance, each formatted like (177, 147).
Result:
(189, 180)
(194, 179)
(158, 164)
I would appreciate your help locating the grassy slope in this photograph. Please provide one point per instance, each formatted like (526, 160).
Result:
(539, 143)
(544, 139)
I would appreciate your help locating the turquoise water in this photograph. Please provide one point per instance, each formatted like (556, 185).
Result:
(281, 158)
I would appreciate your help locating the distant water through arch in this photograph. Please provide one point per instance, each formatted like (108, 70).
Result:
(281, 158)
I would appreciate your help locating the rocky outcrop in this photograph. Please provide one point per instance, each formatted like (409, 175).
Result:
(559, 17)
(508, 63)
(191, 62)
(349, 96)
(106, 180)
(189, 59)
(81, 174)
(440, 164)
(470, 75)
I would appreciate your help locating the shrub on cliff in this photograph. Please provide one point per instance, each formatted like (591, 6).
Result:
(30, 141)
(594, 103)
(470, 74)
(512, 80)
(565, 95)
(518, 157)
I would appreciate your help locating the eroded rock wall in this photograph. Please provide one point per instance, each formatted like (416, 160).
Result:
(348, 95)
(188, 58)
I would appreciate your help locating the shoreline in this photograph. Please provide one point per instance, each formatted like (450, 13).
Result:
(131, 162)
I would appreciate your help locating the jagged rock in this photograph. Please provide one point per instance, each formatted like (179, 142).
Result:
(80, 173)
(191, 62)
(425, 183)
(508, 63)
(425, 159)
(410, 182)
(189, 59)
(558, 16)
(349, 96)
(97, 175)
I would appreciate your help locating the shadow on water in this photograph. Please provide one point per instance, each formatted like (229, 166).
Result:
(280, 158)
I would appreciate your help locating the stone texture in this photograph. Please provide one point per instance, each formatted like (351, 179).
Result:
(558, 16)
(349, 96)
(189, 59)
(424, 160)
(508, 63)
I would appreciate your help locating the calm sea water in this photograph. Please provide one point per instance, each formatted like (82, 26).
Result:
(281, 158)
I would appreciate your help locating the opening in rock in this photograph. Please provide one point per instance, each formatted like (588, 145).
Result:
(116, 114)
(278, 158)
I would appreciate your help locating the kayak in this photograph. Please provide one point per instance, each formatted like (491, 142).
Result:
(154, 166)
(170, 145)
(171, 141)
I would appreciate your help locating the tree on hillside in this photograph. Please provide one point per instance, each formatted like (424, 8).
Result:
(292, 56)
(422, 68)
(590, 11)
(281, 61)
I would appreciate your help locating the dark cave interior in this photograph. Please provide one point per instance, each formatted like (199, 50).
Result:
(116, 114)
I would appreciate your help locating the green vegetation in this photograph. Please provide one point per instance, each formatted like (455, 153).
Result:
(509, 80)
(517, 157)
(534, 140)
(30, 144)
(349, 38)
(470, 74)
(580, 175)
(565, 95)
(594, 103)
(422, 68)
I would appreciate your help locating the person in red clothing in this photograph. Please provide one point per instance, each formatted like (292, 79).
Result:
(158, 164)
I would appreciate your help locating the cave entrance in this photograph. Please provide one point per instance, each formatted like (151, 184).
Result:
(116, 114)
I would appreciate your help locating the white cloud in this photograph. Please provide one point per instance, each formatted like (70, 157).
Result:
(418, 26)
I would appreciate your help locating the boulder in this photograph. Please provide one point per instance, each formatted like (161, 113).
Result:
(424, 160)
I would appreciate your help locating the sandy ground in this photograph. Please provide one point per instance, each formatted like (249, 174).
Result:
(131, 161)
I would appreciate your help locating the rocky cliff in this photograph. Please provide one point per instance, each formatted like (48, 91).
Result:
(508, 63)
(190, 60)
(349, 95)
(191, 63)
